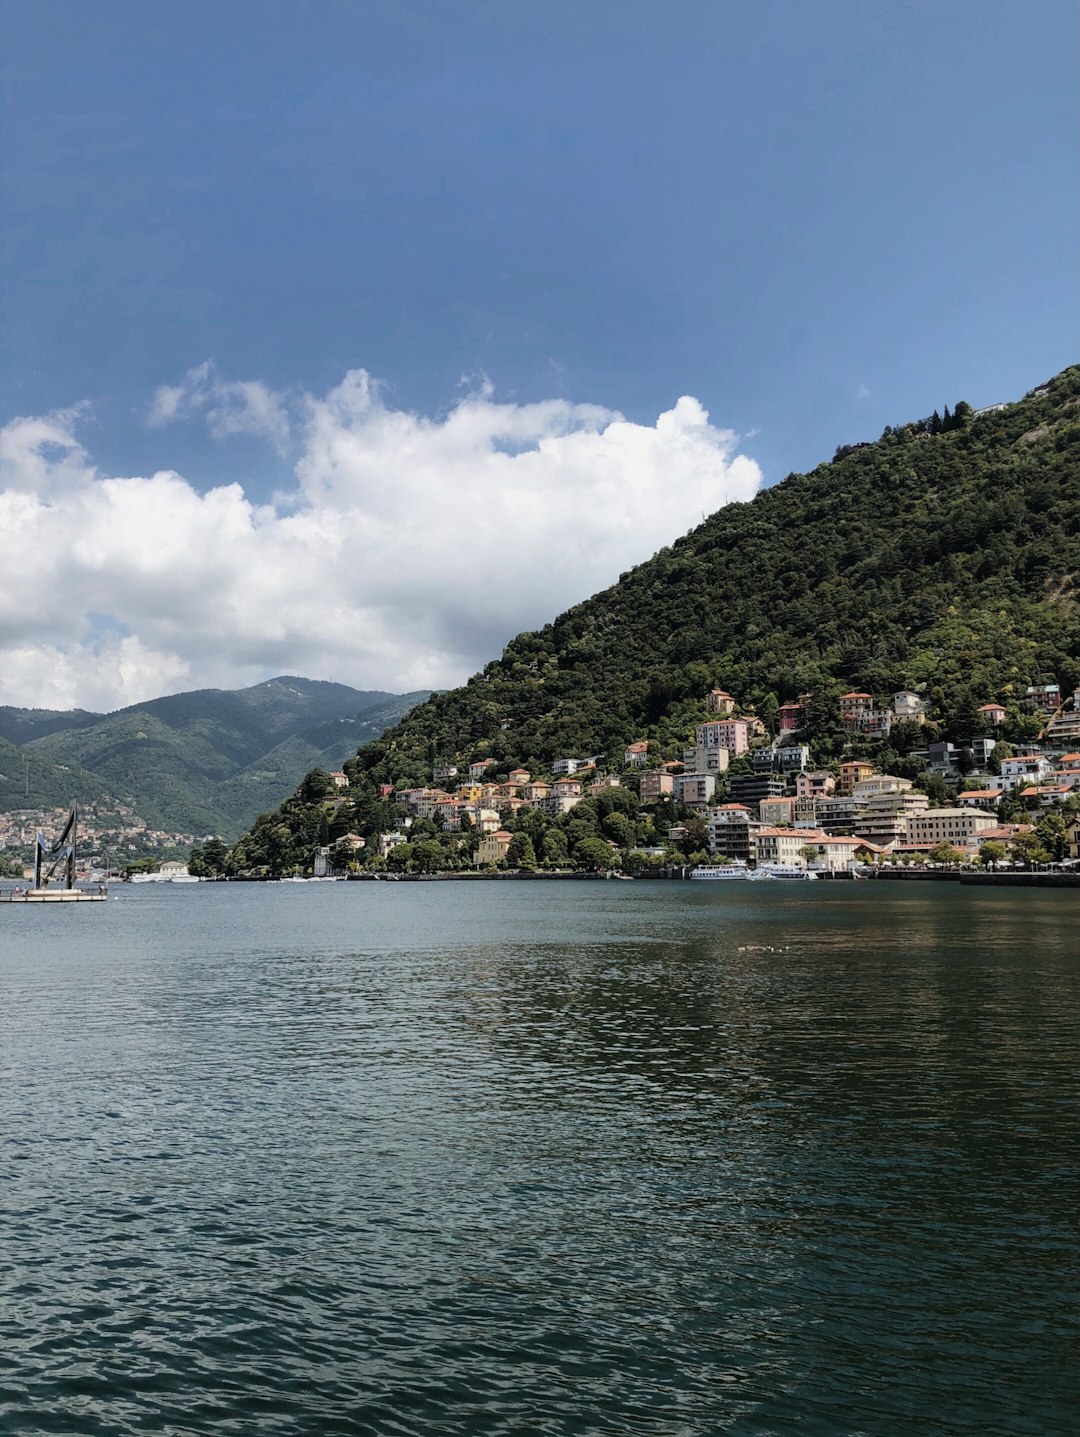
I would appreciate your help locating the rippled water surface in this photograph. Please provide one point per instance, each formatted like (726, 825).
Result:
(547, 1158)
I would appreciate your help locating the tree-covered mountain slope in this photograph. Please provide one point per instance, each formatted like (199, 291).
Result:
(180, 761)
(947, 562)
(263, 782)
(40, 784)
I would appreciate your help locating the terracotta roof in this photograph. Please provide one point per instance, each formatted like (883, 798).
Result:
(856, 696)
(985, 708)
(979, 793)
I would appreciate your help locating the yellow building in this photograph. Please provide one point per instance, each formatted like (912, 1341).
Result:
(856, 770)
(493, 847)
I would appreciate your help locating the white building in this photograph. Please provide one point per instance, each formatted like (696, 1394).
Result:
(566, 765)
(728, 828)
(1024, 769)
(885, 817)
(908, 705)
(708, 758)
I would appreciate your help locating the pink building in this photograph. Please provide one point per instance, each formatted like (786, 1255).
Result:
(994, 714)
(817, 784)
(732, 734)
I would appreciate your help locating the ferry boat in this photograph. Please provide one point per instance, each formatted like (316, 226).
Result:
(784, 870)
(723, 870)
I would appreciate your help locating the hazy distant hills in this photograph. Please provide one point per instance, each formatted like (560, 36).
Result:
(207, 761)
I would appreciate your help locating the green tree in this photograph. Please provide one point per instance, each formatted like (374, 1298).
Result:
(521, 853)
(316, 786)
(619, 828)
(695, 838)
(1026, 849)
(594, 854)
(945, 855)
(428, 856)
(1053, 833)
(556, 849)
(400, 858)
(991, 853)
(210, 860)
(937, 789)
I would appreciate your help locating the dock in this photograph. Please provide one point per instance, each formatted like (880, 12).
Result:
(53, 895)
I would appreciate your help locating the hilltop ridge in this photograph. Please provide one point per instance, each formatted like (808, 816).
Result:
(944, 558)
(202, 761)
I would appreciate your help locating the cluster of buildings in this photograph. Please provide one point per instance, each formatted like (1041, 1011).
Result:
(781, 808)
(114, 831)
(860, 810)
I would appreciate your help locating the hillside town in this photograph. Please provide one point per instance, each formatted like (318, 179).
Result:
(745, 791)
(112, 837)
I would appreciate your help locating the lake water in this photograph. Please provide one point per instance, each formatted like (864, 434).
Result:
(559, 1158)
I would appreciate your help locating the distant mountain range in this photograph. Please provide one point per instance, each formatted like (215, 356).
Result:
(208, 761)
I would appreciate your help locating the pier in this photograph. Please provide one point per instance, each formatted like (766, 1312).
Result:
(53, 895)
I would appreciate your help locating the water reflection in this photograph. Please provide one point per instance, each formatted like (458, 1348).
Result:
(414, 1159)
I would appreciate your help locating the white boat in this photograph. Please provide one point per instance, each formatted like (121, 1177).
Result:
(184, 878)
(722, 870)
(784, 870)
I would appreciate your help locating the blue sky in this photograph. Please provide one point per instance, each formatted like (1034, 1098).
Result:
(816, 219)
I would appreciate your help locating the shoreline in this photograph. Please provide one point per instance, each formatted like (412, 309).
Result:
(986, 880)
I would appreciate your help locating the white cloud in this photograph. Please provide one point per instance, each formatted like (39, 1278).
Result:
(410, 551)
(231, 407)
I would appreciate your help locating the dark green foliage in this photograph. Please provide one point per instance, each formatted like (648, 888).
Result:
(521, 853)
(210, 860)
(946, 562)
(204, 761)
(10, 867)
(594, 855)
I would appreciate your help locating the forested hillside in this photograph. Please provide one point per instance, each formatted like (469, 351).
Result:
(944, 558)
(205, 761)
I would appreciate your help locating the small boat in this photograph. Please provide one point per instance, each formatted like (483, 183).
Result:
(722, 870)
(784, 871)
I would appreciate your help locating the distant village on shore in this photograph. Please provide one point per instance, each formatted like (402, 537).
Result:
(740, 793)
(756, 799)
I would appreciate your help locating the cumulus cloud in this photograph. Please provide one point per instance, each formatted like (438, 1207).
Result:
(230, 407)
(409, 551)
